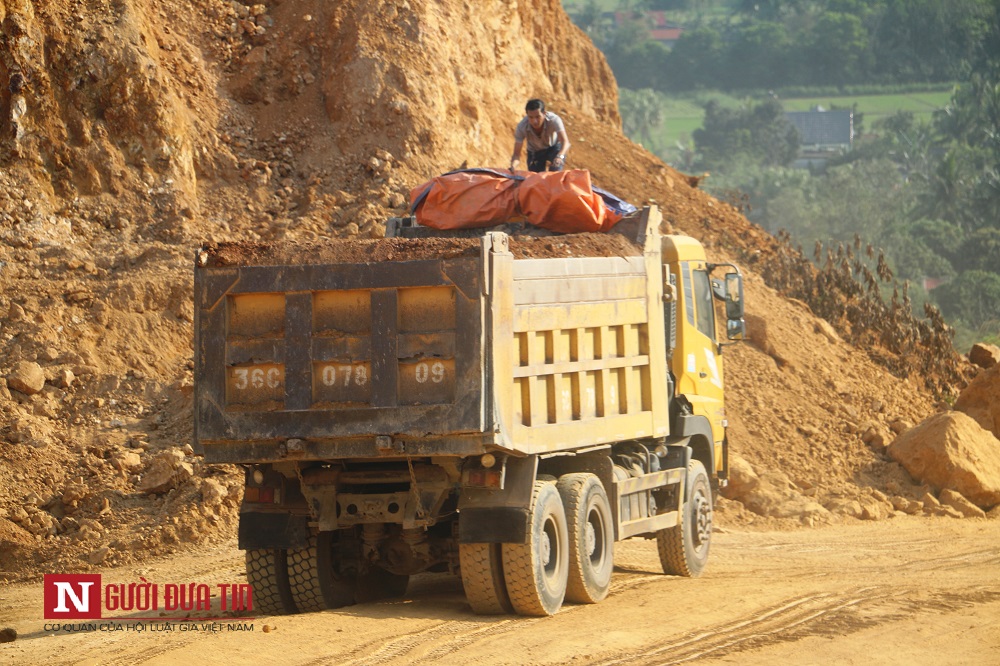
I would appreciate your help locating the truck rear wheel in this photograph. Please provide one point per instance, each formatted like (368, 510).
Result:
(304, 577)
(536, 572)
(591, 537)
(482, 578)
(337, 578)
(267, 574)
(684, 548)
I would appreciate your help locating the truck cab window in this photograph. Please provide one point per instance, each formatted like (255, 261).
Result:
(704, 310)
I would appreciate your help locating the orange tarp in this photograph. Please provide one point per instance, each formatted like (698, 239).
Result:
(562, 201)
(465, 200)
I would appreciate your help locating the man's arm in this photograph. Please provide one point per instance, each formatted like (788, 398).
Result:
(560, 159)
(516, 155)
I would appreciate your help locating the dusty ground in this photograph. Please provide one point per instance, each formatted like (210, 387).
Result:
(155, 127)
(904, 591)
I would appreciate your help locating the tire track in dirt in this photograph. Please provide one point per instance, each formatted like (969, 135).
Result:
(494, 629)
(222, 568)
(826, 614)
(128, 657)
(380, 651)
(975, 559)
(767, 626)
(445, 638)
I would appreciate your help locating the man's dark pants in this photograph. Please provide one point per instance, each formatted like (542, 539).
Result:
(537, 160)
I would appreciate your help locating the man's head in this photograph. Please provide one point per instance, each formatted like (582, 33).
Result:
(535, 109)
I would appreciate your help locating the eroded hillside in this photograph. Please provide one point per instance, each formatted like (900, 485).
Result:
(145, 128)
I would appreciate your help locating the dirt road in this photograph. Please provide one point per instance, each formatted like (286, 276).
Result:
(903, 591)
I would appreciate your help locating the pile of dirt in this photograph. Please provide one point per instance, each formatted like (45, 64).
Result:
(147, 129)
(361, 251)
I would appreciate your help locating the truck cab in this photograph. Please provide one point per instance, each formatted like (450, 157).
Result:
(695, 352)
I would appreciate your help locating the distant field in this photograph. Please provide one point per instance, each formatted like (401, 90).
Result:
(682, 117)
(876, 106)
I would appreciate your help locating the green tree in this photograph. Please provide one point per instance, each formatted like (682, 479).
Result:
(913, 257)
(946, 188)
(759, 57)
(981, 250)
(642, 114)
(760, 133)
(645, 62)
(943, 238)
(973, 297)
(695, 60)
(866, 197)
(927, 40)
(836, 50)
(765, 10)
(965, 186)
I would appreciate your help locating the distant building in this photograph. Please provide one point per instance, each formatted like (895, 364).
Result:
(929, 283)
(661, 29)
(823, 134)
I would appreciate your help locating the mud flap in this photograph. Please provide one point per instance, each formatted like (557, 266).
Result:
(272, 530)
(499, 516)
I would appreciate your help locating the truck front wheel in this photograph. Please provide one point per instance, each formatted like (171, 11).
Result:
(684, 548)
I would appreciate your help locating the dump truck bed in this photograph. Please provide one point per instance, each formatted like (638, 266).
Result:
(429, 347)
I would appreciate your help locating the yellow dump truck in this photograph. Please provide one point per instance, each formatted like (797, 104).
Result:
(497, 404)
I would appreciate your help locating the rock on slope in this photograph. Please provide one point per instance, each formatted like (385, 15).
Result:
(151, 126)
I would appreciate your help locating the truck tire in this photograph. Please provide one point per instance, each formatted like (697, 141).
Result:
(267, 574)
(536, 572)
(337, 579)
(482, 578)
(304, 577)
(684, 548)
(591, 537)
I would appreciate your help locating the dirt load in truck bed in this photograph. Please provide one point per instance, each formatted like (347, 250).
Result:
(359, 251)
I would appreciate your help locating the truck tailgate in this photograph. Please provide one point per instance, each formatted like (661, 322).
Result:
(336, 355)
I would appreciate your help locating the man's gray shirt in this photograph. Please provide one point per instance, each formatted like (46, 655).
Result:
(550, 129)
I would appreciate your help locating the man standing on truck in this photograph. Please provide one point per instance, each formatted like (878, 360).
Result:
(546, 136)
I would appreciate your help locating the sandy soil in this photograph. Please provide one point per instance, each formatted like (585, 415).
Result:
(154, 128)
(903, 591)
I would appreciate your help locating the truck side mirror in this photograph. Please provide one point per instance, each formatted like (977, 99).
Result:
(734, 297)
(736, 329)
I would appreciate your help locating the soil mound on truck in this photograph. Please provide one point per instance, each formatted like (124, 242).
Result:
(365, 250)
(150, 128)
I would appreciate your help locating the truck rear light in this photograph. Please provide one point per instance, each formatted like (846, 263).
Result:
(265, 495)
(484, 478)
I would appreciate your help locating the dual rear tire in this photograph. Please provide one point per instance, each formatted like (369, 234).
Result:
(569, 554)
(591, 537)
(314, 578)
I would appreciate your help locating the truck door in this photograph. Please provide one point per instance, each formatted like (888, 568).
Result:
(697, 364)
